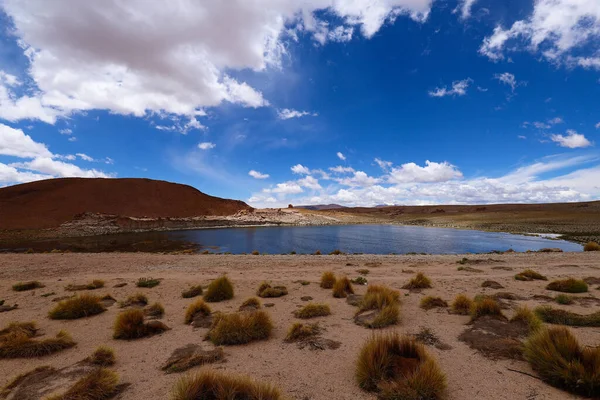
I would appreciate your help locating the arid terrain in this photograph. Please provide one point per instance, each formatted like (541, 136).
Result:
(306, 373)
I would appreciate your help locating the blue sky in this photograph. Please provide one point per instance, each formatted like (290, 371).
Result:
(327, 101)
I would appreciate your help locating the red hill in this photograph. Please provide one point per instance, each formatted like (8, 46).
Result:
(49, 203)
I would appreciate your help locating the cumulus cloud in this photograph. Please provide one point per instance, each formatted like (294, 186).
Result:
(341, 156)
(287, 113)
(300, 169)
(341, 170)
(285, 188)
(384, 165)
(14, 142)
(508, 79)
(555, 29)
(309, 182)
(55, 168)
(572, 140)
(258, 175)
(206, 145)
(65, 131)
(359, 179)
(431, 172)
(465, 8)
(139, 57)
(459, 88)
(598, 125)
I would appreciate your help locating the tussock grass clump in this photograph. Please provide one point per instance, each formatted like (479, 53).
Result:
(19, 379)
(95, 284)
(23, 286)
(103, 356)
(240, 328)
(377, 297)
(385, 301)
(430, 302)
(562, 317)
(220, 289)
(360, 280)
(342, 288)
(156, 310)
(363, 271)
(591, 246)
(387, 316)
(251, 304)
(138, 299)
(336, 252)
(312, 310)
(485, 306)
(398, 367)
(100, 384)
(197, 307)
(420, 281)
(81, 306)
(530, 275)
(147, 282)
(525, 315)
(299, 331)
(265, 290)
(192, 292)
(569, 285)
(130, 325)
(16, 341)
(461, 305)
(327, 280)
(556, 355)
(564, 299)
(209, 384)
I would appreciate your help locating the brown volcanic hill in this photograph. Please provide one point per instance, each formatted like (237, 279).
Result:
(49, 203)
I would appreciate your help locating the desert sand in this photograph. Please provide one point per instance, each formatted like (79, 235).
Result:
(299, 373)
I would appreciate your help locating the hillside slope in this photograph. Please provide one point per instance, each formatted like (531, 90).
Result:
(49, 203)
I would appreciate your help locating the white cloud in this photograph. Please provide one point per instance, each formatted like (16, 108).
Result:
(55, 168)
(542, 125)
(206, 145)
(341, 156)
(508, 79)
(65, 131)
(431, 172)
(554, 29)
(309, 182)
(11, 175)
(360, 179)
(300, 169)
(85, 157)
(555, 121)
(285, 188)
(72, 139)
(459, 88)
(465, 8)
(179, 126)
(385, 165)
(287, 113)
(139, 57)
(571, 140)
(257, 175)
(14, 142)
(522, 137)
(341, 170)
(598, 125)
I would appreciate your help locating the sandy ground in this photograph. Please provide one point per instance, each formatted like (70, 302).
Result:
(301, 374)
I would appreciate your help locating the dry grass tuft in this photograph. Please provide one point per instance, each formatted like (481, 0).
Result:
(265, 290)
(209, 384)
(156, 310)
(398, 367)
(461, 305)
(251, 304)
(138, 300)
(388, 315)
(556, 355)
(486, 306)
(81, 306)
(299, 331)
(95, 284)
(16, 341)
(220, 289)
(130, 325)
(240, 328)
(363, 271)
(564, 299)
(327, 280)
(147, 282)
(23, 286)
(562, 317)
(525, 315)
(192, 292)
(19, 379)
(342, 288)
(591, 246)
(102, 356)
(430, 302)
(197, 307)
(530, 275)
(100, 384)
(420, 281)
(569, 285)
(312, 310)
(377, 297)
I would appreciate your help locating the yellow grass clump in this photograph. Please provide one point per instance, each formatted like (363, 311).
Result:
(209, 384)
(240, 328)
(192, 292)
(197, 307)
(461, 305)
(569, 285)
(429, 302)
(559, 359)
(95, 284)
(312, 310)
(156, 310)
(130, 325)
(103, 356)
(398, 367)
(591, 246)
(22, 286)
(530, 275)
(147, 282)
(485, 306)
(525, 315)
(17, 341)
(342, 288)
(420, 281)
(327, 280)
(265, 290)
(378, 296)
(81, 306)
(251, 303)
(563, 317)
(220, 289)
(100, 384)
(138, 299)
(299, 331)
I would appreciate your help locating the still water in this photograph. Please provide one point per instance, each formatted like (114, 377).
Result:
(373, 239)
